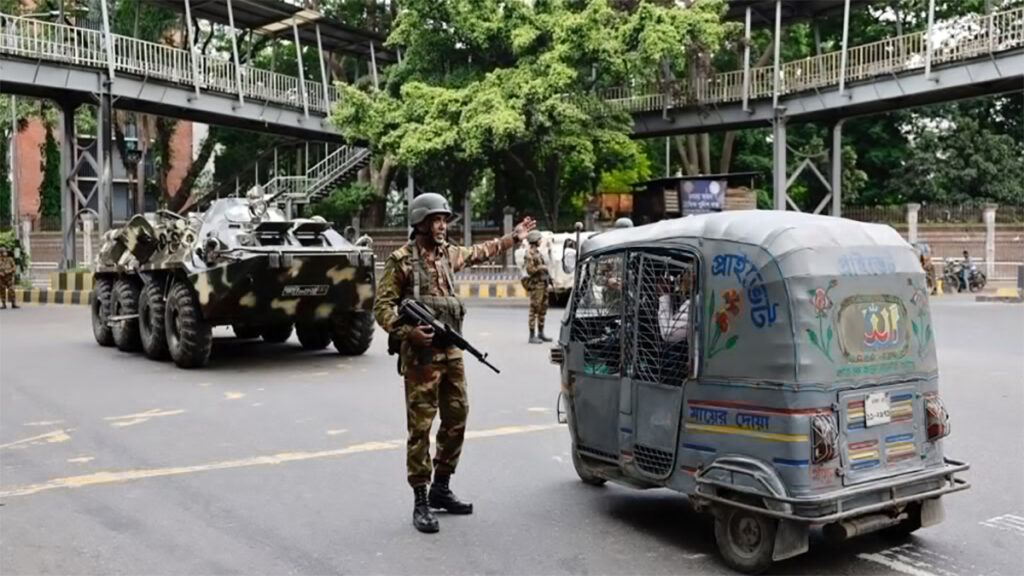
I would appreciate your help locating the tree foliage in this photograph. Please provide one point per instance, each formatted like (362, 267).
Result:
(509, 86)
(343, 203)
(50, 187)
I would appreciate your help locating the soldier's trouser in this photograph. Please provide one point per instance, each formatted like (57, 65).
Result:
(538, 307)
(7, 289)
(429, 387)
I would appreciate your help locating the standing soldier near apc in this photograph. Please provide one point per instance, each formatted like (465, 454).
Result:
(537, 284)
(8, 270)
(424, 270)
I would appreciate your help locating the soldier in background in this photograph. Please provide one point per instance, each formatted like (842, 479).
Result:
(8, 271)
(537, 282)
(424, 270)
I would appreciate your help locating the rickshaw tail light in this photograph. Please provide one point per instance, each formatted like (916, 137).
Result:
(825, 433)
(938, 418)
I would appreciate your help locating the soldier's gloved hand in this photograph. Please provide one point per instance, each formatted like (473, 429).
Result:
(422, 336)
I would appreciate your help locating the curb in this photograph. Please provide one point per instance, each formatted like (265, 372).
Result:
(69, 297)
(45, 297)
(1008, 295)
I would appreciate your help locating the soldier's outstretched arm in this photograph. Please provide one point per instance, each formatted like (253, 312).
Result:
(484, 251)
(389, 294)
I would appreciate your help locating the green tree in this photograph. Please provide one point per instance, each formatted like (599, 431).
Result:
(510, 86)
(343, 203)
(50, 188)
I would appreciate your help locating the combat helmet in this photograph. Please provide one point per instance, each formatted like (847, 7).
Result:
(426, 205)
(533, 237)
(623, 223)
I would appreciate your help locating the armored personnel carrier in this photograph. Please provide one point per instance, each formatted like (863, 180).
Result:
(163, 281)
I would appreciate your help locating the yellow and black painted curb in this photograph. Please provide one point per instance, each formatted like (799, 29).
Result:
(53, 297)
(71, 281)
(65, 297)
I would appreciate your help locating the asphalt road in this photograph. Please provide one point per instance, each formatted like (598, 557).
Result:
(278, 461)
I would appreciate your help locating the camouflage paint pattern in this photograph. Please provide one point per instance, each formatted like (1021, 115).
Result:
(537, 284)
(434, 378)
(8, 270)
(246, 268)
(429, 388)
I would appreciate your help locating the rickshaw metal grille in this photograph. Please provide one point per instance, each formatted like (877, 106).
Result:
(653, 461)
(595, 453)
(657, 322)
(597, 318)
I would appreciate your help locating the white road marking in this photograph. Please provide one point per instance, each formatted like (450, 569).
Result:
(1007, 523)
(537, 409)
(133, 419)
(233, 395)
(335, 432)
(118, 476)
(44, 423)
(49, 437)
(81, 459)
(898, 565)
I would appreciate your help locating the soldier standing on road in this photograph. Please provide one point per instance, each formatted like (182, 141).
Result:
(537, 285)
(424, 270)
(8, 269)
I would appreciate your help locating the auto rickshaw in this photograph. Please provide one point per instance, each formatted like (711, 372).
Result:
(778, 368)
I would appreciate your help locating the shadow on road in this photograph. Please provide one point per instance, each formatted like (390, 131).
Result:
(670, 519)
(234, 353)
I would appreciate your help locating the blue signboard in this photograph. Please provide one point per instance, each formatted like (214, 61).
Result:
(702, 196)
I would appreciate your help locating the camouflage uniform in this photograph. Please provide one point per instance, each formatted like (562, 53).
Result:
(8, 269)
(537, 284)
(434, 378)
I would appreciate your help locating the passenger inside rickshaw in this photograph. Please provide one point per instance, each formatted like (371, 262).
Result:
(647, 304)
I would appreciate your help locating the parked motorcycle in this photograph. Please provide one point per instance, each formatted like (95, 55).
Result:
(953, 277)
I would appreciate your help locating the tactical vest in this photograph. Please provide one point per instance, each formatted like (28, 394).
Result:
(448, 309)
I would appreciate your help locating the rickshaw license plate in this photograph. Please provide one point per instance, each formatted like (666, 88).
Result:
(876, 409)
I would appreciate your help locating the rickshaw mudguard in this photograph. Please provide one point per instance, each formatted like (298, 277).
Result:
(791, 537)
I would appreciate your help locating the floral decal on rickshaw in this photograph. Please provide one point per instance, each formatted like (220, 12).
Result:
(922, 331)
(733, 304)
(822, 305)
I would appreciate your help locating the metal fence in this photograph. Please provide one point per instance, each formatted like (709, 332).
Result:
(965, 213)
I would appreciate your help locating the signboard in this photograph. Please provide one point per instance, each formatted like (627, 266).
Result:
(702, 196)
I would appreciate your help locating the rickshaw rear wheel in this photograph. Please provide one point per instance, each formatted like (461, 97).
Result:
(745, 539)
(581, 471)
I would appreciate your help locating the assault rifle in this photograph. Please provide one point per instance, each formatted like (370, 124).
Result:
(415, 314)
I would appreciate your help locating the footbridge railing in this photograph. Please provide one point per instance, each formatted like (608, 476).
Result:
(87, 48)
(966, 38)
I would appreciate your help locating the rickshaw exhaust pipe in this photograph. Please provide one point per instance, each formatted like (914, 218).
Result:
(846, 529)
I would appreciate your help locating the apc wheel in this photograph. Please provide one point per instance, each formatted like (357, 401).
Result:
(313, 336)
(277, 334)
(745, 539)
(352, 332)
(101, 296)
(151, 321)
(125, 300)
(189, 337)
(581, 471)
(242, 331)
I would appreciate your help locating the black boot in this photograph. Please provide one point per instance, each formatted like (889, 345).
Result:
(443, 498)
(533, 338)
(422, 518)
(541, 336)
